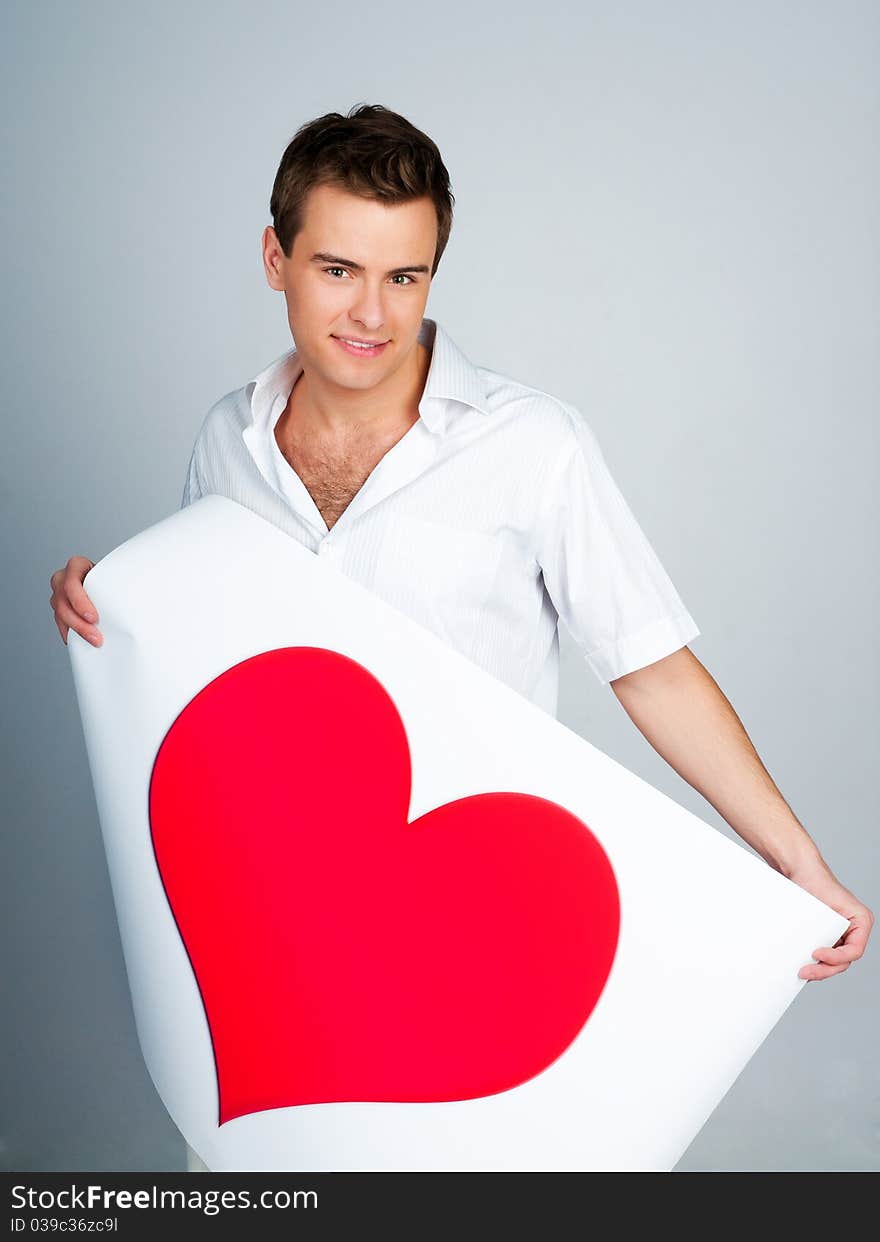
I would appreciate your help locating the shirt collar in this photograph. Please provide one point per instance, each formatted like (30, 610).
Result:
(451, 377)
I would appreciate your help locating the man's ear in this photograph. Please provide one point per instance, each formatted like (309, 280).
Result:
(273, 257)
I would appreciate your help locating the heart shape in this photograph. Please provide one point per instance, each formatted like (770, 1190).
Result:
(343, 953)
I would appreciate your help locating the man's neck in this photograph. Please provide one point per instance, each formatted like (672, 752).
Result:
(329, 411)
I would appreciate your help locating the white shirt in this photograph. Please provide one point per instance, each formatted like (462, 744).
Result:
(494, 515)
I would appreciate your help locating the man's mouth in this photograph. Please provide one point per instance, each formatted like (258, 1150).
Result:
(365, 348)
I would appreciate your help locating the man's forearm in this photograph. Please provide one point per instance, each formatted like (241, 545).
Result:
(683, 713)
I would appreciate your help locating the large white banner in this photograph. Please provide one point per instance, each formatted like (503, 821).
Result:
(378, 911)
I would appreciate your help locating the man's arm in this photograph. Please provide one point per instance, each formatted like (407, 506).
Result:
(677, 705)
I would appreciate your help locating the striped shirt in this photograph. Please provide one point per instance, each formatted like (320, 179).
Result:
(493, 516)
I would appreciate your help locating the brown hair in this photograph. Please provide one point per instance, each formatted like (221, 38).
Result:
(373, 152)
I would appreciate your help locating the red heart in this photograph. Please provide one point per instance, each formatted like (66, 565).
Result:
(341, 952)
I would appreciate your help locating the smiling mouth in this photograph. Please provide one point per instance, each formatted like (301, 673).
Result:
(360, 347)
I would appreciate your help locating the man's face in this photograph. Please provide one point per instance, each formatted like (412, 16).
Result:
(358, 269)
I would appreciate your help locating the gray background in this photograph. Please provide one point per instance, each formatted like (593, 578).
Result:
(666, 214)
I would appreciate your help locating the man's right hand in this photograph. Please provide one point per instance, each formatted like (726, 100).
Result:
(72, 607)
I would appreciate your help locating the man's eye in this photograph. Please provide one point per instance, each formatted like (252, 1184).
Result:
(403, 276)
(334, 269)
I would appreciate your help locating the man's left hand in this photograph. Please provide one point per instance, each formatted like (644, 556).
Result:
(818, 879)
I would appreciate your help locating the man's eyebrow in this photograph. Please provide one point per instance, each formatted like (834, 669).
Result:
(322, 257)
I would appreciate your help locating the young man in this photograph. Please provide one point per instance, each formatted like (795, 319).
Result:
(482, 508)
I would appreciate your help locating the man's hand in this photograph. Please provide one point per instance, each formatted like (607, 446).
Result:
(72, 607)
(831, 960)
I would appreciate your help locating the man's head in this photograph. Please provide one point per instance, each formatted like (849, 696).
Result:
(362, 212)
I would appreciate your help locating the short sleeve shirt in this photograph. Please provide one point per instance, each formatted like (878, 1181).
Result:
(491, 519)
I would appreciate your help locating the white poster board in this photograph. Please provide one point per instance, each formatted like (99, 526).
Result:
(378, 911)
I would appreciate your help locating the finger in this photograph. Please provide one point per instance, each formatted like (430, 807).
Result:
(78, 599)
(841, 953)
(65, 614)
(855, 937)
(817, 971)
(66, 619)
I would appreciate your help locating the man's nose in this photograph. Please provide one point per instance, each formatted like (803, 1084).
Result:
(368, 308)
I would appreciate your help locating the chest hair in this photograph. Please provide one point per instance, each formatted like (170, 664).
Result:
(334, 472)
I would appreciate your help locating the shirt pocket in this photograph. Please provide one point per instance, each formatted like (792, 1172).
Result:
(439, 575)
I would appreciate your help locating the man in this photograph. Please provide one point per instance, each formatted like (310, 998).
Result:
(482, 508)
